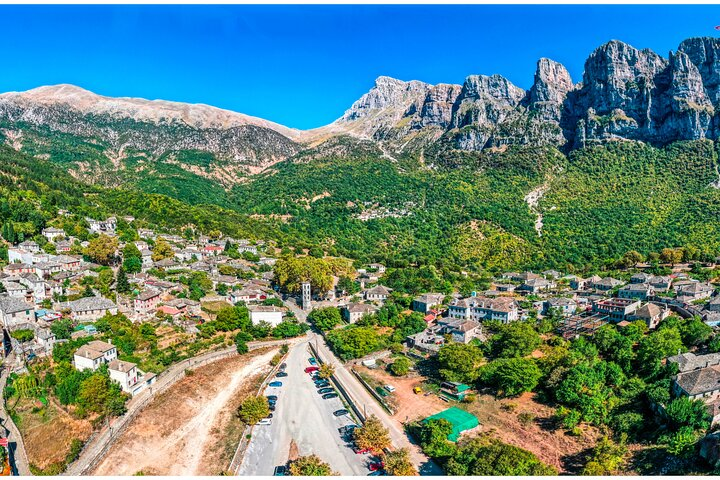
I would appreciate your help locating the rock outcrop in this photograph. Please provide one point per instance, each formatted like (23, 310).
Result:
(625, 93)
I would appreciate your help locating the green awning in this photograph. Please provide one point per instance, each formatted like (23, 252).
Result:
(459, 418)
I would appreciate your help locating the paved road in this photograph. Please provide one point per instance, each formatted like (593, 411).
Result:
(304, 417)
(365, 402)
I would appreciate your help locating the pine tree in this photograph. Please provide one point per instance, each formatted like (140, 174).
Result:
(122, 284)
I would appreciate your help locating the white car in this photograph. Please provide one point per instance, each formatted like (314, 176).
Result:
(389, 388)
(264, 421)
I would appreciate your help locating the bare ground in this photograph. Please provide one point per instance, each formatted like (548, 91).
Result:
(537, 433)
(49, 431)
(190, 429)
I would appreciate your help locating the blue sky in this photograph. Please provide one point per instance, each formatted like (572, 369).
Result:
(302, 66)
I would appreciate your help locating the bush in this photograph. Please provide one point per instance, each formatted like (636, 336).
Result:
(253, 409)
(400, 367)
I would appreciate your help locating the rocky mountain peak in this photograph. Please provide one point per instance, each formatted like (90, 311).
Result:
(387, 93)
(552, 82)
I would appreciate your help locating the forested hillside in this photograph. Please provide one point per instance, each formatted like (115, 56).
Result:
(470, 210)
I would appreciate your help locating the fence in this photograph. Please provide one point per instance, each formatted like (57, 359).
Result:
(374, 393)
(100, 442)
(360, 415)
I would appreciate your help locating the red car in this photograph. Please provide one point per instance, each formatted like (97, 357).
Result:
(311, 369)
(359, 450)
(375, 466)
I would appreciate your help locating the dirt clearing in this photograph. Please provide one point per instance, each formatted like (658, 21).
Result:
(527, 424)
(408, 405)
(190, 429)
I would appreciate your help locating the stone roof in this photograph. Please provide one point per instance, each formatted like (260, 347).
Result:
(379, 290)
(499, 304)
(147, 295)
(649, 310)
(689, 361)
(94, 349)
(13, 305)
(121, 366)
(561, 301)
(361, 308)
(430, 298)
(264, 308)
(90, 303)
(698, 382)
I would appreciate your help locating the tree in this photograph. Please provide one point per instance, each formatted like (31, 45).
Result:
(62, 329)
(325, 318)
(355, 341)
(513, 376)
(161, 251)
(398, 464)
(671, 255)
(433, 437)
(486, 456)
(8, 233)
(516, 339)
(99, 395)
(660, 344)
(606, 459)
(348, 285)
(287, 329)
(694, 331)
(373, 435)
(632, 258)
(23, 335)
(253, 409)
(241, 346)
(400, 367)
(102, 249)
(684, 412)
(326, 370)
(132, 265)
(459, 362)
(310, 466)
(121, 282)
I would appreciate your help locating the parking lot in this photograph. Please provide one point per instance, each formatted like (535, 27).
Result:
(302, 416)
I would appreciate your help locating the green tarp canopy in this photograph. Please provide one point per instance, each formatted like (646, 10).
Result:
(460, 420)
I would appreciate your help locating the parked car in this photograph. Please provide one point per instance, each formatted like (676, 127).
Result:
(359, 450)
(328, 396)
(264, 421)
(377, 473)
(326, 390)
(280, 471)
(376, 466)
(283, 366)
(281, 374)
(271, 397)
(312, 361)
(311, 369)
(417, 390)
(389, 388)
(340, 413)
(346, 429)
(271, 407)
(275, 384)
(322, 384)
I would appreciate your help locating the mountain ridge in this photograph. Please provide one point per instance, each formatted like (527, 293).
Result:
(625, 94)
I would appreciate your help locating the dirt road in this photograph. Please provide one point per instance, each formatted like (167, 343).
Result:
(176, 432)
